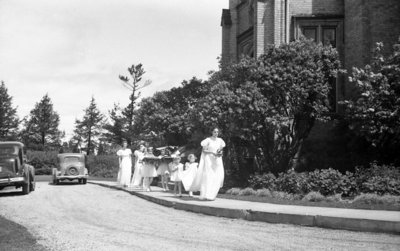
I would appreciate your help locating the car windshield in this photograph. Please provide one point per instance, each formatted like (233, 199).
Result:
(6, 150)
(7, 165)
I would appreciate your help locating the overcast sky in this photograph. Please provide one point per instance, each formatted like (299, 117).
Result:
(75, 49)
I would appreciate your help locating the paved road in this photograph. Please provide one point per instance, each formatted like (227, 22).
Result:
(90, 217)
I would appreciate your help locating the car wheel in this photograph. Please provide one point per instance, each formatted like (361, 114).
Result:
(26, 187)
(80, 181)
(84, 181)
(33, 186)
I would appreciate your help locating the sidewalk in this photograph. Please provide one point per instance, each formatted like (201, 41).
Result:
(337, 218)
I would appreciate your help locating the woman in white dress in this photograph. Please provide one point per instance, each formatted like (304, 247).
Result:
(210, 173)
(137, 175)
(189, 174)
(125, 165)
(149, 169)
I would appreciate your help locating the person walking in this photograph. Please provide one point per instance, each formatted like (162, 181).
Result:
(149, 169)
(125, 165)
(137, 174)
(210, 173)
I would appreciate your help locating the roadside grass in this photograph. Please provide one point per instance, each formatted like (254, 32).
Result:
(16, 237)
(314, 199)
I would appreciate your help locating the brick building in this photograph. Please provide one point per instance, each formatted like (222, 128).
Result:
(352, 26)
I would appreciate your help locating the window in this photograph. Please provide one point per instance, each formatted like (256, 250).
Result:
(328, 31)
(320, 34)
(310, 32)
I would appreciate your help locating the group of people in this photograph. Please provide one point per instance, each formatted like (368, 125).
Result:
(207, 176)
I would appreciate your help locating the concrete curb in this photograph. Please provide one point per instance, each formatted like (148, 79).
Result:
(354, 224)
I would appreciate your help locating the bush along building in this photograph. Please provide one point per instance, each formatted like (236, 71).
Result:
(353, 27)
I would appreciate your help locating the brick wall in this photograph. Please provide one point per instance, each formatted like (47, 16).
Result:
(316, 7)
(368, 22)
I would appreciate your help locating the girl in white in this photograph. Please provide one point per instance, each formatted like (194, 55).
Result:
(163, 170)
(189, 174)
(148, 169)
(125, 165)
(210, 174)
(176, 169)
(137, 175)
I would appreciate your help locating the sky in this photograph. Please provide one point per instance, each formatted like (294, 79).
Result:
(76, 49)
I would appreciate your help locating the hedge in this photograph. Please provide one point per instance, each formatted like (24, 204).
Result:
(374, 179)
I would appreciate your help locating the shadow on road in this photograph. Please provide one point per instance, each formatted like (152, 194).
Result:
(10, 193)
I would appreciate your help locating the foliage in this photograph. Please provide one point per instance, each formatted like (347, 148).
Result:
(43, 162)
(89, 128)
(247, 191)
(133, 84)
(378, 179)
(270, 103)
(266, 180)
(41, 126)
(263, 192)
(314, 196)
(163, 118)
(103, 166)
(329, 182)
(115, 129)
(372, 198)
(292, 182)
(375, 114)
(8, 115)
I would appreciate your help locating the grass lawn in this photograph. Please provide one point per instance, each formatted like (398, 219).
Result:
(309, 203)
(16, 237)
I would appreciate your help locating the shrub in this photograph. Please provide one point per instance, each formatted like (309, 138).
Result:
(374, 199)
(292, 182)
(330, 181)
(43, 162)
(266, 180)
(105, 166)
(314, 196)
(283, 195)
(233, 191)
(378, 179)
(335, 198)
(263, 193)
(247, 191)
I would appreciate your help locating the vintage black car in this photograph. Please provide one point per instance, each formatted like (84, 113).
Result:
(71, 166)
(14, 171)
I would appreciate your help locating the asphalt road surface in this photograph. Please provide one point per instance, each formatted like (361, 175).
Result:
(90, 217)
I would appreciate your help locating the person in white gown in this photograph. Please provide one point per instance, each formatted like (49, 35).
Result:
(149, 169)
(125, 165)
(137, 174)
(210, 173)
(189, 174)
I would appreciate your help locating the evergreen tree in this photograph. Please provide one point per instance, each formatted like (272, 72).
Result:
(133, 84)
(41, 126)
(8, 115)
(115, 132)
(90, 127)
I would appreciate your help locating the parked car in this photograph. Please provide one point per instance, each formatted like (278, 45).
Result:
(14, 169)
(71, 166)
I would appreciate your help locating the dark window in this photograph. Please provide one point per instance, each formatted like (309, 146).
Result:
(310, 33)
(329, 36)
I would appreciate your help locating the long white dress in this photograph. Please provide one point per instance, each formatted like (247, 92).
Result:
(188, 175)
(137, 174)
(125, 168)
(210, 174)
